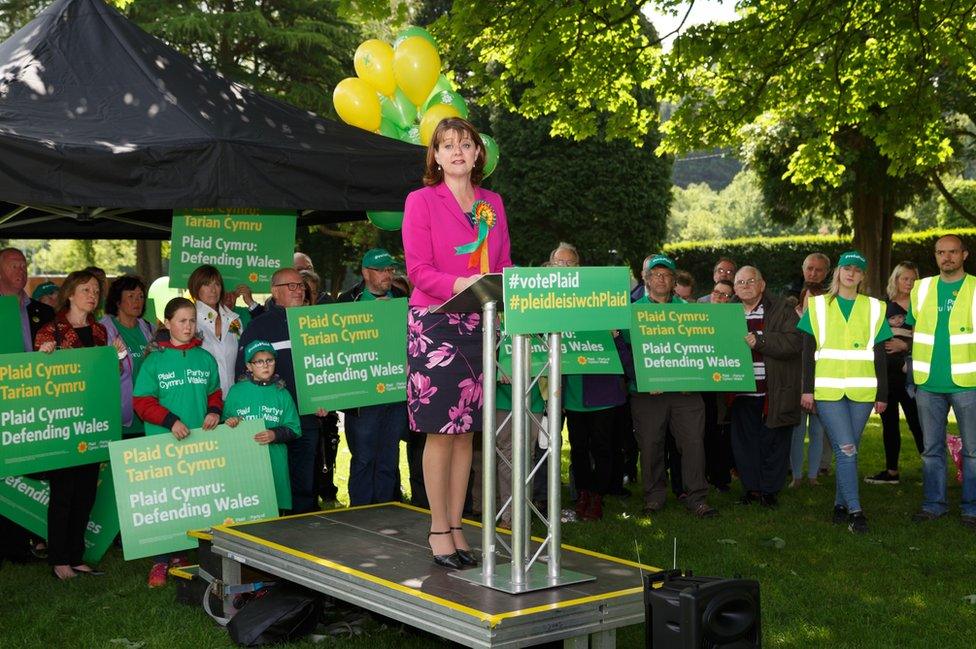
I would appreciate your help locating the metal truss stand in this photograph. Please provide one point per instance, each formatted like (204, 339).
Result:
(527, 570)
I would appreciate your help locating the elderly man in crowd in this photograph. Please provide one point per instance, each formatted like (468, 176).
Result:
(288, 290)
(815, 269)
(724, 270)
(33, 315)
(374, 432)
(655, 412)
(762, 421)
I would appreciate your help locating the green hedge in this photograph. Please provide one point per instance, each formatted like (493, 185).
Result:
(780, 258)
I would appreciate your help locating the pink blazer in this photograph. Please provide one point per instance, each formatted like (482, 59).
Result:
(433, 225)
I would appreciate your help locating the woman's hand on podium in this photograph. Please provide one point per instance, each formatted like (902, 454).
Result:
(462, 283)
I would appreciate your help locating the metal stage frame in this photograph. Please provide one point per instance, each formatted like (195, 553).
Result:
(376, 557)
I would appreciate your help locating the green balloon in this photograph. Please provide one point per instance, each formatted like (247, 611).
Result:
(399, 110)
(386, 220)
(389, 129)
(491, 153)
(450, 98)
(443, 83)
(412, 135)
(414, 31)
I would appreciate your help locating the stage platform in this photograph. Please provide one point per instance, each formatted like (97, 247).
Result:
(377, 557)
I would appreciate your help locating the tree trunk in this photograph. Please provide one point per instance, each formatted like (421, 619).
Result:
(149, 260)
(873, 227)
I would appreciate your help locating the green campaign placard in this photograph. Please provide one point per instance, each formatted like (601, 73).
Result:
(165, 487)
(11, 342)
(691, 348)
(583, 352)
(246, 245)
(58, 410)
(25, 501)
(349, 355)
(542, 300)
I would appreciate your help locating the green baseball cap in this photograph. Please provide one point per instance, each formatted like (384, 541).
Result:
(852, 258)
(256, 346)
(660, 260)
(379, 258)
(47, 288)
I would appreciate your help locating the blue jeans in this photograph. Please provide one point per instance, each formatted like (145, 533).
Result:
(933, 411)
(844, 422)
(373, 435)
(816, 446)
(301, 468)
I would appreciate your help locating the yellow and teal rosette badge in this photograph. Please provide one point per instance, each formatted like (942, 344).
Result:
(484, 219)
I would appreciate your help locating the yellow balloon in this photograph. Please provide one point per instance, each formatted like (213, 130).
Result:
(357, 103)
(374, 65)
(416, 66)
(432, 118)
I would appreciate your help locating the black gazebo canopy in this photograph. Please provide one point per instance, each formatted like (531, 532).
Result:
(104, 130)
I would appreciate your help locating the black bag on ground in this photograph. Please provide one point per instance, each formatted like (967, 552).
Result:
(283, 614)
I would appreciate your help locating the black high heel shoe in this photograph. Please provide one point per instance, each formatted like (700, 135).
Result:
(452, 560)
(466, 556)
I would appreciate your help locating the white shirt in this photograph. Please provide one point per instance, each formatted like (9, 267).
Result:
(223, 350)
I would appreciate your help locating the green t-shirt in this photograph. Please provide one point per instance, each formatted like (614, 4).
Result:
(573, 395)
(181, 380)
(503, 398)
(940, 374)
(367, 295)
(136, 341)
(846, 306)
(273, 404)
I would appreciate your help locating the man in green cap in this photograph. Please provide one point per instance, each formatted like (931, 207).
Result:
(657, 412)
(373, 433)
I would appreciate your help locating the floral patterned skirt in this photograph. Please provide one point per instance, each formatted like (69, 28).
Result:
(444, 372)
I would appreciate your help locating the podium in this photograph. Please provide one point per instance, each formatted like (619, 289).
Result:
(526, 570)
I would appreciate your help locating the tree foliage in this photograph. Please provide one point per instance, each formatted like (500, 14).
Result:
(879, 93)
(294, 50)
(699, 213)
(608, 199)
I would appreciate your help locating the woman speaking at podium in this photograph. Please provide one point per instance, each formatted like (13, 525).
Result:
(453, 232)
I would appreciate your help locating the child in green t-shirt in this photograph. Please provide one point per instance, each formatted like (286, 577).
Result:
(261, 394)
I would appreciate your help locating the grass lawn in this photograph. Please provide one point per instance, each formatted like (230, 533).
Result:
(903, 585)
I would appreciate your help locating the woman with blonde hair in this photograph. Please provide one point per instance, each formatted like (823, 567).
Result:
(845, 374)
(897, 352)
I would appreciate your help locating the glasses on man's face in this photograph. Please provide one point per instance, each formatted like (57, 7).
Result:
(746, 282)
(261, 362)
(292, 286)
(727, 296)
(660, 276)
(562, 262)
(725, 271)
(389, 269)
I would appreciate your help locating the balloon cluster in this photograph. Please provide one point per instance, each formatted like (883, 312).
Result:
(399, 92)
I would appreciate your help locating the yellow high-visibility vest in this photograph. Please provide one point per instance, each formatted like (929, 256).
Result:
(845, 348)
(962, 339)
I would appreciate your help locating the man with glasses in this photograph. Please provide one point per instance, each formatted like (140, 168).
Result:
(763, 421)
(373, 433)
(724, 270)
(288, 290)
(657, 412)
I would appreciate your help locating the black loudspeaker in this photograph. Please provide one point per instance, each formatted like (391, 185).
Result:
(682, 611)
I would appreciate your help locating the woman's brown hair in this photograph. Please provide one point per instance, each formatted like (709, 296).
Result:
(204, 275)
(70, 283)
(433, 174)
